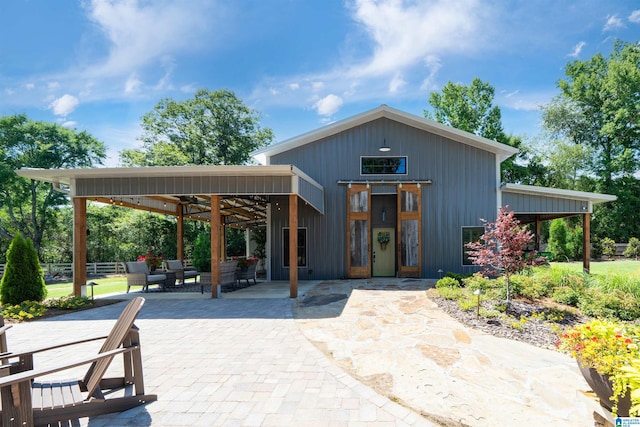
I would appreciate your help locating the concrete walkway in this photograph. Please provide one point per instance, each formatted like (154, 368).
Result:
(247, 362)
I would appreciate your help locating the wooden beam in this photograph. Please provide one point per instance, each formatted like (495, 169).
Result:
(215, 244)
(538, 232)
(79, 244)
(180, 233)
(586, 243)
(293, 245)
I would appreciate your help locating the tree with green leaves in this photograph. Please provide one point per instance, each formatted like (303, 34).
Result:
(471, 109)
(597, 108)
(28, 206)
(23, 279)
(558, 240)
(212, 128)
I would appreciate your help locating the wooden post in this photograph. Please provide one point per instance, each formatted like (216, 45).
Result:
(180, 232)
(538, 233)
(293, 245)
(79, 244)
(215, 245)
(586, 243)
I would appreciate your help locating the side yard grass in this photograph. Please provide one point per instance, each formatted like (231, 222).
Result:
(106, 285)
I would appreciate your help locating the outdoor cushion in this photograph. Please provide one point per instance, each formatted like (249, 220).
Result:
(156, 278)
(137, 267)
(174, 264)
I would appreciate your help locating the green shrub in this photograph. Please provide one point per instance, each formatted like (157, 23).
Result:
(468, 304)
(574, 243)
(614, 304)
(447, 282)
(633, 249)
(459, 277)
(567, 295)
(596, 247)
(477, 281)
(23, 279)
(450, 293)
(202, 253)
(531, 287)
(609, 247)
(558, 240)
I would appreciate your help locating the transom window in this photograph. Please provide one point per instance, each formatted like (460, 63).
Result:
(396, 165)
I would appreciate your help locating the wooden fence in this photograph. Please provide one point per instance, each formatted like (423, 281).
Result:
(93, 268)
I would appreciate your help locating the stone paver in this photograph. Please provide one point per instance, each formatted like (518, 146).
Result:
(227, 362)
(400, 343)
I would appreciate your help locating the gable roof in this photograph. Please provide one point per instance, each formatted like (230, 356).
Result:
(503, 151)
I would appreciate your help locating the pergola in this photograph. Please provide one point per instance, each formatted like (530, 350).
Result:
(222, 195)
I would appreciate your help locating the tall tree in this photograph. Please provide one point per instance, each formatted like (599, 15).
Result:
(471, 109)
(28, 205)
(598, 108)
(213, 128)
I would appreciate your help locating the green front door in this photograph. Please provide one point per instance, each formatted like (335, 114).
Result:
(384, 254)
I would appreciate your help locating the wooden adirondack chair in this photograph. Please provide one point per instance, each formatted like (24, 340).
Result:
(28, 402)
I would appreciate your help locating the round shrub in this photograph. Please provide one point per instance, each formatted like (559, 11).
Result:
(23, 279)
(447, 282)
(450, 293)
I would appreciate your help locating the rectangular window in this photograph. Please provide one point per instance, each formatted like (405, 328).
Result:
(383, 165)
(302, 247)
(469, 235)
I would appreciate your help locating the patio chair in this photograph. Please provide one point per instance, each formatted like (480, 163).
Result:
(29, 402)
(248, 274)
(182, 273)
(138, 275)
(4, 350)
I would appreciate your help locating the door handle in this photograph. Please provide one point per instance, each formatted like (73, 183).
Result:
(374, 256)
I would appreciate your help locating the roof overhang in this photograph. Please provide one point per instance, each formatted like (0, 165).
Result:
(594, 198)
(170, 189)
(501, 150)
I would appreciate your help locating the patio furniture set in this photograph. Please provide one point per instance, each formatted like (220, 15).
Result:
(174, 274)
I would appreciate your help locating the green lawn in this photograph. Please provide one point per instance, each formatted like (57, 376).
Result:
(604, 268)
(106, 285)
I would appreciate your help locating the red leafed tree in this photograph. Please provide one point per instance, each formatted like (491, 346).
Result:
(502, 247)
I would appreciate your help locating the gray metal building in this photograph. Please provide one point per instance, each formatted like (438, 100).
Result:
(383, 193)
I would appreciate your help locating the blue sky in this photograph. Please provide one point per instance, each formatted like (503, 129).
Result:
(99, 65)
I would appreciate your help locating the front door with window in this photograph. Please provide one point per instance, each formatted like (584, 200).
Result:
(384, 252)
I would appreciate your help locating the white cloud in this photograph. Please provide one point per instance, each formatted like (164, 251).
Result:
(635, 17)
(69, 124)
(29, 86)
(140, 32)
(317, 85)
(64, 105)
(132, 84)
(53, 85)
(328, 105)
(405, 33)
(524, 101)
(433, 65)
(396, 83)
(577, 49)
(294, 86)
(613, 22)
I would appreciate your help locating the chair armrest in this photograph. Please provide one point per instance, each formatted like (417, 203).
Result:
(4, 328)
(29, 375)
(54, 346)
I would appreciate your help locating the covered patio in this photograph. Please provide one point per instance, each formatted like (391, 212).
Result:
(223, 195)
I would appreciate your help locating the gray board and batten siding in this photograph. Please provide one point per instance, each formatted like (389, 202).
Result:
(463, 189)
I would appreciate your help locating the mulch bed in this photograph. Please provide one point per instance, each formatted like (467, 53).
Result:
(540, 333)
